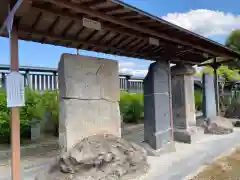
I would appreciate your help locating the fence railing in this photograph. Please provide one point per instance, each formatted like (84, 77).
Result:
(42, 79)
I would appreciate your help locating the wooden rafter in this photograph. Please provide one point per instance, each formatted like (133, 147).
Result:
(77, 34)
(118, 40)
(105, 17)
(51, 27)
(93, 3)
(110, 9)
(68, 27)
(77, 41)
(125, 42)
(78, 20)
(36, 22)
(89, 37)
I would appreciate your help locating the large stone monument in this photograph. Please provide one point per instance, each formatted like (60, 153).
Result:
(90, 125)
(183, 103)
(89, 94)
(157, 109)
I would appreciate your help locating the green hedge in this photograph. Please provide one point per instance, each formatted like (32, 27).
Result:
(30, 114)
(198, 100)
(51, 104)
(39, 105)
(131, 107)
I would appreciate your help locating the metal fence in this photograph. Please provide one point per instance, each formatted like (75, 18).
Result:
(42, 79)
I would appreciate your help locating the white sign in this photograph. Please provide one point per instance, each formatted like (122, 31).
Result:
(91, 24)
(15, 90)
(153, 41)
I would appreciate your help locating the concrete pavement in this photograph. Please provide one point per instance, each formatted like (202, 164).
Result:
(187, 159)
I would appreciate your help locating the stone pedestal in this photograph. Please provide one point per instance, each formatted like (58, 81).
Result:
(157, 106)
(89, 95)
(183, 104)
(209, 100)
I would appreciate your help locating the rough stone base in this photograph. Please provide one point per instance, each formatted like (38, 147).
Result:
(201, 122)
(99, 157)
(167, 148)
(233, 110)
(219, 125)
(188, 136)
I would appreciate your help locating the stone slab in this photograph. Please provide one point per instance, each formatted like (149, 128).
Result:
(157, 114)
(209, 101)
(85, 77)
(183, 101)
(81, 118)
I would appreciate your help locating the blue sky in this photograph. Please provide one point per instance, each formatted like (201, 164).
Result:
(214, 19)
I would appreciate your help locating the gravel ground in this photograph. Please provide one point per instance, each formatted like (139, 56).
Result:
(187, 159)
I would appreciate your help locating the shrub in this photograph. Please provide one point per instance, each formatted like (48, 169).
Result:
(4, 118)
(198, 100)
(51, 104)
(30, 114)
(131, 107)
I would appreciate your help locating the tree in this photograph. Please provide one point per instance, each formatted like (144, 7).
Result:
(226, 74)
(233, 40)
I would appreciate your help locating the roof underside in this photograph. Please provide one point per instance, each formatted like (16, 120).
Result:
(124, 31)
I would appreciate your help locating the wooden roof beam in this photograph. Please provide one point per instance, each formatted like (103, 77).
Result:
(91, 12)
(51, 27)
(78, 19)
(93, 3)
(78, 41)
(36, 22)
(67, 28)
(110, 9)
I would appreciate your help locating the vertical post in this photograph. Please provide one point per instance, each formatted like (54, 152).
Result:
(3, 80)
(27, 80)
(54, 80)
(128, 83)
(170, 100)
(15, 122)
(204, 95)
(216, 87)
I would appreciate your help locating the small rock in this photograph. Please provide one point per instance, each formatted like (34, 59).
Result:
(219, 125)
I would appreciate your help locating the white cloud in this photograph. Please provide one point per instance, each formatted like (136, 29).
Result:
(134, 72)
(206, 22)
(126, 64)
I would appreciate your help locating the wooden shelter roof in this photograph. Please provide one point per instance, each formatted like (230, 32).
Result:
(108, 26)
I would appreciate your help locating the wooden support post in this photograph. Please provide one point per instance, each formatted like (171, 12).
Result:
(15, 119)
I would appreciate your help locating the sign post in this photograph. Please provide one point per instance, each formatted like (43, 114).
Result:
(15, 92)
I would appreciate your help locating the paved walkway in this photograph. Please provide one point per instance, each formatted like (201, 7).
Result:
(189, 158)
(173, 166)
